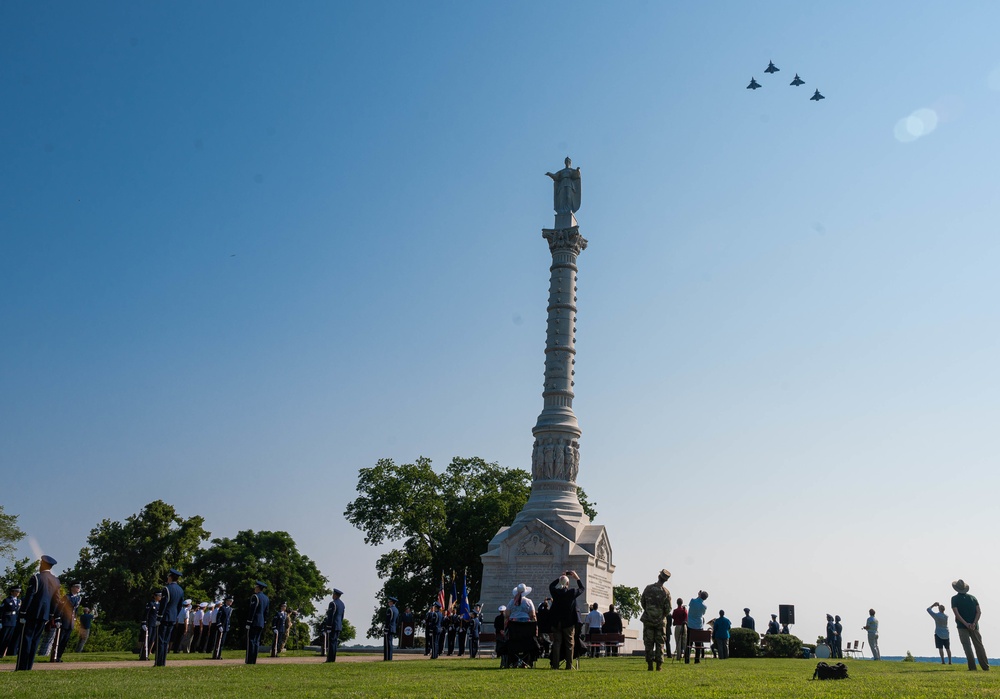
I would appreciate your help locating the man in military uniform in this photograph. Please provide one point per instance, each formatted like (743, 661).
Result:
(171, 601)
(223, 619)
(278, 627)
(67, 607)
(8, 614)
(747, 621)
(391, 625)
(655, 612)
(335, 624)
(256, 616)
(432, 629)
(147, 632)
(40, 602)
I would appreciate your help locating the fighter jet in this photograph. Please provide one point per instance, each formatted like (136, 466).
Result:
(798, 81)
(771, 68)
(817, 97)
(753, 84)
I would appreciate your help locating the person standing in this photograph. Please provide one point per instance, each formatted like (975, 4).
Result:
(595, 625)
(452, 626)
(208, 628)
(475, 628)
(696, 622)
(196, 618)
(86, 621)
(463, 632)
(942, 641)
(831, 636)
(172, 599)
(967, 613)
(720, 634)
(181, 627)
(8, 617)
(391, 624)
(680, 618)
(563, 617)
(838, 637)
(279, 625)
(187, 617)
(68, 608)
(500, 632)
(871, 626)
(39, 604)
(747, 621)
(256, 618)
(334, 624)
(150, 618)
(223, 621)
(655, 611)
(772, 626)
(612, 624)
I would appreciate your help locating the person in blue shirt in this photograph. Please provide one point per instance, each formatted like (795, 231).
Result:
(696, 622)
(171, 601)
(256, 616)
(720, 634)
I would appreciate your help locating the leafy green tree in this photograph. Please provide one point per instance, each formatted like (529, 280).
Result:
(628, 602)
(444, 522)
(10, 534)
(233, 565)
(124, 562)
(17, 573)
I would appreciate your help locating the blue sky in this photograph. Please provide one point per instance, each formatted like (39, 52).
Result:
(248, 249)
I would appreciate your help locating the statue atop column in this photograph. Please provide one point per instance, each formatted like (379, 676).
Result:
(566, 189)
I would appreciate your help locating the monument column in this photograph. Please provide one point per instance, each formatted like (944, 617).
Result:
(552, 533)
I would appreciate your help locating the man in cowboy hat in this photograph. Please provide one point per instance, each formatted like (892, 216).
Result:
(967, 613)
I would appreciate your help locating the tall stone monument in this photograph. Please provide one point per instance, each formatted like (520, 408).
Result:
(552, 533)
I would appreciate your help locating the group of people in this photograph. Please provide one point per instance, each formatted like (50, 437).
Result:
(448, 631)
(967, 611)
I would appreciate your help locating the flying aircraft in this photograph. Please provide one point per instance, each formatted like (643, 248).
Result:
(817, 97)
(753, 84)
(771, 68)
(798, 81)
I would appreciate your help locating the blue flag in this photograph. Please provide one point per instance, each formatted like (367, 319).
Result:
(463, 608)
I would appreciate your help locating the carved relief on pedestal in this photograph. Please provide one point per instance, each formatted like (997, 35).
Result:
(534, 545)
(555, 458)
(603, 550)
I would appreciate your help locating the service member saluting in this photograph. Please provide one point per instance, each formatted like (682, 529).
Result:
(256, 615)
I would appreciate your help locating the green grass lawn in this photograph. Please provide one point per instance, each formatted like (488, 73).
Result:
(611, 677)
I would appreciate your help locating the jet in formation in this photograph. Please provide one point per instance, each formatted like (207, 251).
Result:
(771, 68)
(753, 84)
(817, 97)
(798, 81)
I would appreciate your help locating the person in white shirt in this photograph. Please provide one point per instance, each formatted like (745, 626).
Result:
(196, 619)
(942, 639)
(871, 626)
(595, 621)
(186, 619)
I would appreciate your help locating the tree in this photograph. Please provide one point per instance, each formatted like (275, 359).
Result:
(10, 534)
(628, 602)
(444, 520)
(124, 561)
(231, 566)
(18, 573)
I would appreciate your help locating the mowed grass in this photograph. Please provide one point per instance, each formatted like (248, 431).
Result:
(611, 677)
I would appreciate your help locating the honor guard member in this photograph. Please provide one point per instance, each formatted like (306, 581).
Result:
(435, 622)
(278, 627)
(223, 619)
(196, 617)
(8, 616)
(170, 611)
(334, 624)
(463, 631)
(256, 617)
(391, 624)
(39, 603)
(475, 628)
(68, 608)
(147, 632)
(207, 627)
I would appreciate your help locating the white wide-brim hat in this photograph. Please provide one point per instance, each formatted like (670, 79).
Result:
(523, 589)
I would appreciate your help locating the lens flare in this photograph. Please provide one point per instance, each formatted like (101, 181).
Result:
(920, 123)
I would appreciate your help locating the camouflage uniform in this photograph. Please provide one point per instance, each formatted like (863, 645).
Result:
(655, 612)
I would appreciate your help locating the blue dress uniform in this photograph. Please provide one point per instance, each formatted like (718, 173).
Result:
(391, 624)
(278, 624)
(39, 604)
(170, 611)
(434, 622)
(475, 628)
(223, 619)
(256, 616)
(150, 620)
(72, 603)
(335, 624)
(9, 608)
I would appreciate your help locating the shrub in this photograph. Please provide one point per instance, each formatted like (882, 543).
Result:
(121, 637)
(781, 645)
(909, 658)
(744, 643)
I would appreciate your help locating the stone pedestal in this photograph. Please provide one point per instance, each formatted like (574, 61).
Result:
(552, 533)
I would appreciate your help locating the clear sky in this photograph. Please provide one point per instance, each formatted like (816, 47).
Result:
(249, 248)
